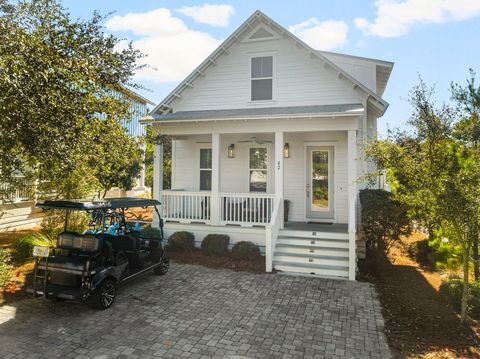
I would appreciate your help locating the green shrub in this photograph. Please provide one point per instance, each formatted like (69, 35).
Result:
(422, 253)
(5, 267)
(150, 232)
(384, 220)
(181, 242)
(448, 254)
(452, 291)
(215, 244)
(245, 250)
(23, 247)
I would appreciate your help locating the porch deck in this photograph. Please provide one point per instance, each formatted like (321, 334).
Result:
(317, 227)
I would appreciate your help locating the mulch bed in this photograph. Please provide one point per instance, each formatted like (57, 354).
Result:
(256, 265)
(418, 323)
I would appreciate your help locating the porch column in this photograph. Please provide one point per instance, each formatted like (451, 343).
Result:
(157, 178)
(352, 203)
(215, 208)
(279, 172)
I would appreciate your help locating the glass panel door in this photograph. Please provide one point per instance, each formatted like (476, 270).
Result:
(319, 187)
(319, 180)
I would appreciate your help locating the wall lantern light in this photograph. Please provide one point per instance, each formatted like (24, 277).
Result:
(231, 151)
(286, 150)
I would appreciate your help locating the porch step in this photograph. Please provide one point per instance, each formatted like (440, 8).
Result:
(311, 259)
(309, 268)
(281, 248)
(319, 253)
(312, 234)
(312, 242)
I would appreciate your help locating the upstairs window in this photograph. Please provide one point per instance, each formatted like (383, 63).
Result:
(262, 78)
(205, 169)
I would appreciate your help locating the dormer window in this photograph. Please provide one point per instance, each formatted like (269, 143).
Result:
(262, 78)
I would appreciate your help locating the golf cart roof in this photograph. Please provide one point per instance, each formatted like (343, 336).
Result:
(108, 203)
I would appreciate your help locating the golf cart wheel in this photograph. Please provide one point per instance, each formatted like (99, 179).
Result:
(163, 267)
(104, 296)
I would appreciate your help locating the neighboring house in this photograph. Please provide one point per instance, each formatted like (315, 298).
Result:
(266, 118)
(134, 128)
(22, 212)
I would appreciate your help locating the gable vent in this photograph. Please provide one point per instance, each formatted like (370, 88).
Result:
(261, 33)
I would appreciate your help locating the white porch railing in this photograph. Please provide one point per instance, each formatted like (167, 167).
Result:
(246, 209)
(186, 207)
(271, 234)
(235, 208)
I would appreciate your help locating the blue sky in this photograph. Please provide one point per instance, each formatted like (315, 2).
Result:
(438, 39)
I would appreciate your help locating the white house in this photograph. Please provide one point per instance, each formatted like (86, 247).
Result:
(266, 118)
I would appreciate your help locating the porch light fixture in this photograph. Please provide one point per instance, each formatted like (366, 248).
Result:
(286, 150)
(231, 151)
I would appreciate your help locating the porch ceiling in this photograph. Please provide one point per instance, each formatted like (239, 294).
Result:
(274, 112)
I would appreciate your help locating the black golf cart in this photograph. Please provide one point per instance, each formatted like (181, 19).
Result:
(89, 266)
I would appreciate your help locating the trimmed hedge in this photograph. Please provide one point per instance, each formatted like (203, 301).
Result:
(452, 291)
(245, 250)
(215, 244)
(384, 220)
(181, 242)
(150, 232)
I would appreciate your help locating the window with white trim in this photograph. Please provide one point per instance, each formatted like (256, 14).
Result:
(262, 78)
(258, 169)
(205, 169)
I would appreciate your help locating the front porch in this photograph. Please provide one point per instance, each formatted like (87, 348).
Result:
(253, 209)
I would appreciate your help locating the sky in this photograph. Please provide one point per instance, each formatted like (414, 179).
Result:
(438, 40)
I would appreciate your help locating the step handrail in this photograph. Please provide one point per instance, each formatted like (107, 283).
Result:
(271, 234)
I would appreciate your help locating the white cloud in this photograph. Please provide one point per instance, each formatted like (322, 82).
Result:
(215, 15)
(172, 49)
(325, 35)
(395, 18)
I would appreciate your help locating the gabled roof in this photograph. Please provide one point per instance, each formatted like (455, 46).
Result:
(164, 106)
(383, 68)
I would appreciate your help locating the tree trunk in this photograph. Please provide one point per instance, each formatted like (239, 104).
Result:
(476, 263)
(465, 294)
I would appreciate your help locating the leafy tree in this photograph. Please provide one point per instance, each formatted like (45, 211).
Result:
(117, 159)
(467, 130)
(59, 81)
(436, 175)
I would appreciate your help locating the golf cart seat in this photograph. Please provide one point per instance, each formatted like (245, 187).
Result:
(123, 243)
(86, 243)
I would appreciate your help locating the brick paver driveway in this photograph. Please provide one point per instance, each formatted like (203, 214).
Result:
(197, 312)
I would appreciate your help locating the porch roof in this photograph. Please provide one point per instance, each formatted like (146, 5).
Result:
(297, 111)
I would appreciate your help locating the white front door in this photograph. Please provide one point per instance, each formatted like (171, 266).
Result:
(319, 186)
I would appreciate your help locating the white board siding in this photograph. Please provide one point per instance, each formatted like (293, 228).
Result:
(234, 171)
(299, 80)
(255, 235)
(184, 160)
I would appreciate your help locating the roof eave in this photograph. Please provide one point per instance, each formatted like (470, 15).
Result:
(158, 118)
